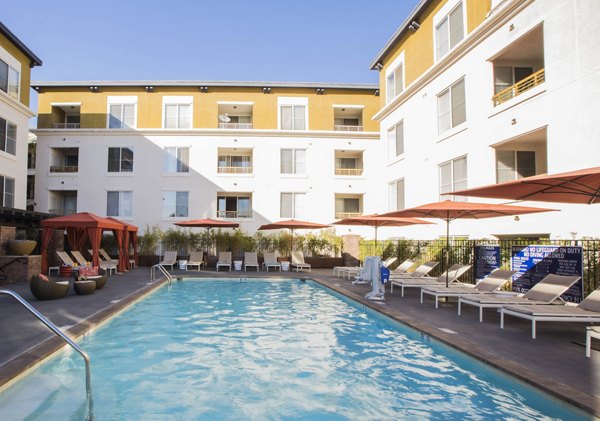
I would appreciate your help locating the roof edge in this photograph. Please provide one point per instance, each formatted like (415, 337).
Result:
(34, 60)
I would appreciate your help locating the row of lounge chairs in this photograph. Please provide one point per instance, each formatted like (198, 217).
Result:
(105, 261)
(225, 261)
(541, 303)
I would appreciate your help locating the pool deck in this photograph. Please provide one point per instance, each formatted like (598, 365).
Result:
(555, 361)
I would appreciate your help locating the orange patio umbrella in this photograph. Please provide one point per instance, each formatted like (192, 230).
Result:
(582, 186)
(292, 224)
(449, 210)
(376, 221)
(207, 223)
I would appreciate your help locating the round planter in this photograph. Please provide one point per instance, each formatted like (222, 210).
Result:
(22, 247)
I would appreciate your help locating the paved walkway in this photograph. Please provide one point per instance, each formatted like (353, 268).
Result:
(555, 361)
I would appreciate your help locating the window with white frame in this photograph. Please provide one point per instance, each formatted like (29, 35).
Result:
(396, 195)
(175, 204)
(449, 31)
(453, 176)
(513, 165)
(234, 205)
(120, 159)
(292, 205)
(8, 137)
(293, 161)
(119, 203)
(177, 160)
(9, 80)
(293, 113)
(395, 82)
(396, 139)
(451, 106)
(121, 115)
(177, 112)
(7, 191)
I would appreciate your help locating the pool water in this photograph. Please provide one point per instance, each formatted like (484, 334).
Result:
(268, 350)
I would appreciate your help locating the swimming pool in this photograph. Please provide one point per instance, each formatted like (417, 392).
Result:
(268, 350)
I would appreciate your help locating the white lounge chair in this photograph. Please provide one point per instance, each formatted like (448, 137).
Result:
(419, 272)
(402, 268)
(453, 273)
(250, 260)
(110, 267)
(587, 311)
(270, 261)
(364, 276)
(544, 292)
(196, 259)
(79, 257)
(591, 332)
(169, 259)
(66, 259)
(224, 260)
(490, 284)
(298, 261)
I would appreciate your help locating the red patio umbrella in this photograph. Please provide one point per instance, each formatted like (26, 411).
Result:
(582, 186)
(292, 224)
(207, 223)
(376, 221)
(449, 210)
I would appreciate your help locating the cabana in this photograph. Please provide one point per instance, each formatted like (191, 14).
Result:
(80, 227)
(129, 238)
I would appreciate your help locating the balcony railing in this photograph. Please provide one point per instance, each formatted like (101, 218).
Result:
(234, 214)
(518, 88)
(61, 212)
(66, 125)
(234, 170)
(343, 128)
(342, 215)
(63, 168)
(241, 126)
(348, 171)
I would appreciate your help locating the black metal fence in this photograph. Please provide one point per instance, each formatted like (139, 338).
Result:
(462, 252)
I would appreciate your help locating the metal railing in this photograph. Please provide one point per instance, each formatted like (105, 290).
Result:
(60, 334)
(234, 214)
(235, 126)
(66, 125)
(518, 88)
(64, 168)
(162, 270)
(62, 212)
(348, 171)
(234, 170)
(346, 128)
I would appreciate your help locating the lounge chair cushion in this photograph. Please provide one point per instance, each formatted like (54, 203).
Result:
(591, 302)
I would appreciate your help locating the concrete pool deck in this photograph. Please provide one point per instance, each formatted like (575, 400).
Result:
(555, 361)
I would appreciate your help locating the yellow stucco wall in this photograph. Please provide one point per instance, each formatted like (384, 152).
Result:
(25, 69)
(205, 105)
(418, 45)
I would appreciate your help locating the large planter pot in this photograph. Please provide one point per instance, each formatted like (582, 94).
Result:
(22, 247)
(148, 260)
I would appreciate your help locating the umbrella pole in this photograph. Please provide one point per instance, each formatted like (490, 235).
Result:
(447, 257)
(376, 240)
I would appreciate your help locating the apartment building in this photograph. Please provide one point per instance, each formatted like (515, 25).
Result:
(157, 152)
(16, 62)
(477, 92)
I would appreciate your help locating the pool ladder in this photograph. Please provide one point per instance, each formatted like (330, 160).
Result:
(58, 332)
(162, 270)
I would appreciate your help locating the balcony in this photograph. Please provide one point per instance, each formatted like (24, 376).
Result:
(518, 88)
(234, 214)
(348, 163)
(66, 125)
(347, 118)
(64, 160)
(234, 161)
(64, 168)
(348, 206)
(348, 171)
(235, 115)
(62, 202)
(347, 128)
(234, 205)
(235, 126)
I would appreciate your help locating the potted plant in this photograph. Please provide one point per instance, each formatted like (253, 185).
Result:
(24, 242)
(147, 243)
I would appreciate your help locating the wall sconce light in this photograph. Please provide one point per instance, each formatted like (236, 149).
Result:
(513, 121)
(379, 67)
(203, 89)
(517, 219)
(414, 25)
(266, 90)
(149, 89)
(511, 27)
(94, 89)
(376, 92)
(320, 91)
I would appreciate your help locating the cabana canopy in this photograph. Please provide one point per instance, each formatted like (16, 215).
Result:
(129, 237)
(80, 227)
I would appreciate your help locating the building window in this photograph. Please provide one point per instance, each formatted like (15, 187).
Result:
(396, 140)
(175, 204)
(394, 83)
(234, 164)
(293, 161)
(292, 205)
(120, 160)
(453, 176)
(119, 203)
(234, 206)
(449, 31)
(348, 206)
(452, 109)
(122, 116)
(177, 112)
(7, 191)
(177, 160)
(513, 165)
(8, 137)
(9, 80)
(293, 117)
(396, 195)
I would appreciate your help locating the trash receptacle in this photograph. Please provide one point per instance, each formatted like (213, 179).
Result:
(384, 275)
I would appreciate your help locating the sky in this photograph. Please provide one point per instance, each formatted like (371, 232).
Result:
(259, 40)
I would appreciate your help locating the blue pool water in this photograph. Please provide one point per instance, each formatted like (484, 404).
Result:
(268, 350)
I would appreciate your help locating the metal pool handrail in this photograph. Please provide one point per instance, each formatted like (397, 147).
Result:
(58, 332)
(162, 270)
